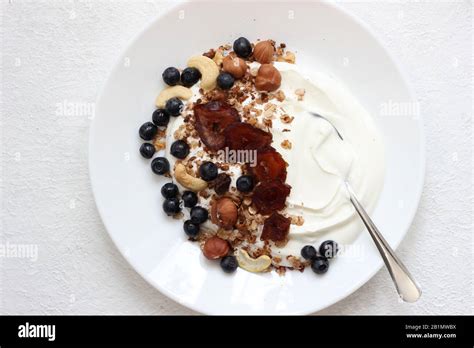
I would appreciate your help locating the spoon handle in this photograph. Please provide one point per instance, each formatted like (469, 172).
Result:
(405, 284)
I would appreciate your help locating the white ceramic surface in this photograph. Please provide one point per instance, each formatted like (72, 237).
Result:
(127, 192)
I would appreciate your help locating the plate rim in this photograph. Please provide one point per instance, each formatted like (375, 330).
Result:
(421, 133)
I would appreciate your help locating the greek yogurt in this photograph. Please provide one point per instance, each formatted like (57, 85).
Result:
(319, 161)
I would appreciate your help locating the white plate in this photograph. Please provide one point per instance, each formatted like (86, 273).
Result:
(128, 193)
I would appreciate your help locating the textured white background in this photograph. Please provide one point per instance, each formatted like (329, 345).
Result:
(58, 52)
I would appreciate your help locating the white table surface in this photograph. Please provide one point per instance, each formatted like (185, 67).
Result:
(60, 52)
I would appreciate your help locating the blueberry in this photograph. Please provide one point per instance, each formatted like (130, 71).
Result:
(169, 190)
(328, 249)
(190, 76)
(147, 131)
(171, 206)
(190, 199)
(171, 76)
(199, 215)
(229, 264)
(179, 149)
(147, 150)
(174, 106)
(309, 252)
(320, 265)
(225, 80)
(161, 117)
(242, 47)
(160, 166)
(245, 183)
(208, 171)
(191, 228)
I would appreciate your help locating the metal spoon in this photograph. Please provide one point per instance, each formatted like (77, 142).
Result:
(407, 287)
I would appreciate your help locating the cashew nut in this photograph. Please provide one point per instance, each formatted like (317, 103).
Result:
(259, 264)
(208, 69)
(187, 180)
(171, 92)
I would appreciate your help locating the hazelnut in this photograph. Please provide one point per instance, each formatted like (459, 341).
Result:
(268, 78)
(263, 52)
(224, 213)
(214, 248)
(234, 65)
